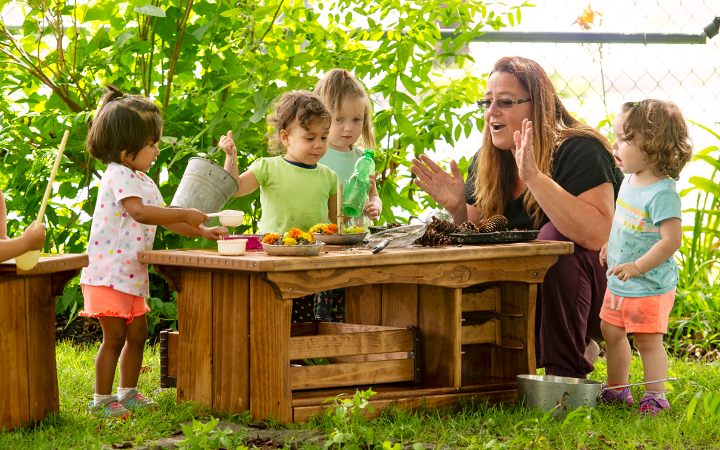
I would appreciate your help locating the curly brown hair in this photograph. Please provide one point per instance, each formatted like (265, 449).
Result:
(125, 122)
(303, 106)
(658, 128)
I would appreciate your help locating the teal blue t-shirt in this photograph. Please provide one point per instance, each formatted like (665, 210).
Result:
(636, 228)
(342, 163)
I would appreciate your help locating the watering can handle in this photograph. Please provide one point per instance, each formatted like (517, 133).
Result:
(636, 384)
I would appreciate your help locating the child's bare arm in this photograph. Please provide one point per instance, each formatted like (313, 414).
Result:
(3, 217)
(156, 215)
(664, 249)
(228, 146)
(248, 183)
(33, 239)
(373, 207)
(210, 233)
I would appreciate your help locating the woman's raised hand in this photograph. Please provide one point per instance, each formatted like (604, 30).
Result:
(227, 144)
(525, 152)
(448, 190)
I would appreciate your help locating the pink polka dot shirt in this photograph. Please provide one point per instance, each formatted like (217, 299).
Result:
(115, 238)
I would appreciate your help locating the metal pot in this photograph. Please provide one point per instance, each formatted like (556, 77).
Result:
(562, 394)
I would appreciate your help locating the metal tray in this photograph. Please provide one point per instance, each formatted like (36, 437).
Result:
(340, 239)
(293, 250)
(498, 237)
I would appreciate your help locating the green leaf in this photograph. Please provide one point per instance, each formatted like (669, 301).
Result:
(232, 12)
(150, 10)
(201, 30)
(122, 39)
(691, 406)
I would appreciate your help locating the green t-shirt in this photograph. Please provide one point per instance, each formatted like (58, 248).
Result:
(342, 163)
(291, 196)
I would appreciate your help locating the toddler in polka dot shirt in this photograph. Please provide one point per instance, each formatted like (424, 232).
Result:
(125, 135)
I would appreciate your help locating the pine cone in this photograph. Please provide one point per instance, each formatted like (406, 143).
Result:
(494, 223)
(432, 238)
(468, 228)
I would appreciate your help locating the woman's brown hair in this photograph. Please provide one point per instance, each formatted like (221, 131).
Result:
(338, 87)
(124, 122)
(660, 131)
(496, 170)
(304, 106)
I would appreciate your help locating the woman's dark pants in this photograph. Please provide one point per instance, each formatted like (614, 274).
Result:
(568, 309)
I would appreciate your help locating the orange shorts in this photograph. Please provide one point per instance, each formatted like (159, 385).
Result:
(106, 301)
(638, 314)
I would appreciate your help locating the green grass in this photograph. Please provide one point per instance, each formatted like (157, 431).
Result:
(471, 426)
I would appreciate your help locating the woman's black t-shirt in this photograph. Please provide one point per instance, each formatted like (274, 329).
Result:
(579, 165)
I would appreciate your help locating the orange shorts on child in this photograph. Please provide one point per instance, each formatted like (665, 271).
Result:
(106, 301)
(639, 314)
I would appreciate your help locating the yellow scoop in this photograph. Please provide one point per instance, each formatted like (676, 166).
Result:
(28, 260)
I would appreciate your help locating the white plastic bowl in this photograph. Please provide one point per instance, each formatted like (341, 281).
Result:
(232, 247)
(231, 218)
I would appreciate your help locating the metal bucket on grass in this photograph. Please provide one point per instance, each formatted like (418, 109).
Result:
(204, 186)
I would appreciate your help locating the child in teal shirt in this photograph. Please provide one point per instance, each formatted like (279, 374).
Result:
(652, 145)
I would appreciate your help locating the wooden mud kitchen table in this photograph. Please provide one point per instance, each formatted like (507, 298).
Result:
(424, 325)
(28, 378)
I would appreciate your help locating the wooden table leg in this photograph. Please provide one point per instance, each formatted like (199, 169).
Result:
(195, 343)
(440, 312)
(270, 392)
(231, 342)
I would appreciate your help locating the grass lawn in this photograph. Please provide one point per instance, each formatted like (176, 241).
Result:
(470, 426)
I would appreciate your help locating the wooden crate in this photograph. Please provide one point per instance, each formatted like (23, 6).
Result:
(360, 355)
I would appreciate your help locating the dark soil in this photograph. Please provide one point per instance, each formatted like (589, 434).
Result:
(82, 330)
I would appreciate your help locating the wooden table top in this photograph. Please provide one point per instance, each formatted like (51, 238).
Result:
(48, 263)
(333, 256)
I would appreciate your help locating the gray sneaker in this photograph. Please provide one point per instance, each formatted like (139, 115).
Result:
(109, 408)
(134, 400)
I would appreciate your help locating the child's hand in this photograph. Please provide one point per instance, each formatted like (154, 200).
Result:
(227, 144)
(35, 237)
(214, 233)
(194, 218)
(373, 185)
(372, 210)
(603, 254)
(625, 271)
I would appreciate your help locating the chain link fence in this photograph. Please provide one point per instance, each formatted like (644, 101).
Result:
(594, 79)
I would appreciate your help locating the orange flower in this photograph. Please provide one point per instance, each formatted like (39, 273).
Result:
(331, 229)
(295, 233)
(270, 238)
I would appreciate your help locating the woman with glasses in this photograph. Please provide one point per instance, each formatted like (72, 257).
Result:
(562, 180)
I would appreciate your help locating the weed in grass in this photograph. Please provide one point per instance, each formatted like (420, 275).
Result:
(201, 436)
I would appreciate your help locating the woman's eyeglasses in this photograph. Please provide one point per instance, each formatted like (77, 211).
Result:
(503, 103)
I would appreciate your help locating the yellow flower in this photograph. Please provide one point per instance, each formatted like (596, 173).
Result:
(317, 228)
(307, 237)
(289, 241)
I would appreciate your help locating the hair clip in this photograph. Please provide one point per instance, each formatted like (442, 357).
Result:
(636, 104)
(345, 72)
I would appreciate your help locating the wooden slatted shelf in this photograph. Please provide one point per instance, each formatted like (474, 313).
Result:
(389, 355)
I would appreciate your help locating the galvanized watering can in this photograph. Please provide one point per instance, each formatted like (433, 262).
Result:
(204, 186)
(562, 394)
